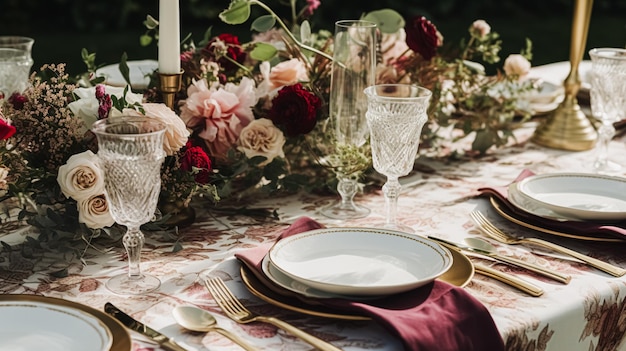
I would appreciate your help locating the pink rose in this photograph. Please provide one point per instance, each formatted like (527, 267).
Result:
(517, 65)
(288, 73)
(218, 115)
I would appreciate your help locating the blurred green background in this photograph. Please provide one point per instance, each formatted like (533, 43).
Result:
(61, 28)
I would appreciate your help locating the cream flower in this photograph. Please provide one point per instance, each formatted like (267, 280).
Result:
(517, 65)
(176, 133)
(262, 138)
(4, 185)
(81, 177)
(94, 212)
(86, 107)
(480, 28)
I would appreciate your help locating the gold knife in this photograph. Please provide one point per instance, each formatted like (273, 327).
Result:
(164, 341)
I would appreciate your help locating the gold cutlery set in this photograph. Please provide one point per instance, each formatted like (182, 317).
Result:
(495, 233)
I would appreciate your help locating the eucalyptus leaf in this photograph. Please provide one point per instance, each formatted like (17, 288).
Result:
(388, 21)
(305, 32)
(485, 138)
(150, 22)
(123, 67)
(263, 23)
(263, 52)
(237, 12)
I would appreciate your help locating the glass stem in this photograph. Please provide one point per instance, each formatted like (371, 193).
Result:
(347, 188)
(133, 243)
(606, 132)
(391, 189)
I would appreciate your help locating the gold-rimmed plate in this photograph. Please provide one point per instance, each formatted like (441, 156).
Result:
(58, 324)
(511, 217)
(460, 274)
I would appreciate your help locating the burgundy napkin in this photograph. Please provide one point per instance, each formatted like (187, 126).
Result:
(573, 227)
(438, 316)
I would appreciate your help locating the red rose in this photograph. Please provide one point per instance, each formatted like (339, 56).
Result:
(196, 157)
(6, 130)
(295, 109)
(422, 37)
(225, 45)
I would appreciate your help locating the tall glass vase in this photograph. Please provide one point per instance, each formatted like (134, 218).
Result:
(353, 70)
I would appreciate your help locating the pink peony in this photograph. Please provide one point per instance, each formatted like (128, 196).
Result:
(218, 115)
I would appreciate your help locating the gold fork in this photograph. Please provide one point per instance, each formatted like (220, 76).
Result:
(492, 231)
(240, 314)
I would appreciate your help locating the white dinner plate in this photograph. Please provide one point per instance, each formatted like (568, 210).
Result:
(27, 325)
(284, 281)
(583, 196)
(139, 72)
(360, 261)
(533, 207)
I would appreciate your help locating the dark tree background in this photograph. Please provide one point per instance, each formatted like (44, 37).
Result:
(61, 28)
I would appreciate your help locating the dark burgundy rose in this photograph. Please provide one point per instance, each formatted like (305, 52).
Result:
(295, 110)
(233, 51)
(422, 37)
(17, 100)
(195, 156)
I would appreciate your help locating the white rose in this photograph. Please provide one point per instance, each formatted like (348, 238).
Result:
(517, 65)
(86, 107)
(262, 138)
(94, 212)
(176, 133)
(480, 28)
(81, 177)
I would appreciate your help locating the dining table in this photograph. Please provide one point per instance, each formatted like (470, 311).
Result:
(587, 313)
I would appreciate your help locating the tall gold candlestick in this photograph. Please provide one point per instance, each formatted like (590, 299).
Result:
(567, 127)
(170, 85)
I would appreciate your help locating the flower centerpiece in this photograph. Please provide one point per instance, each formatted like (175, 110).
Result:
(250, 118)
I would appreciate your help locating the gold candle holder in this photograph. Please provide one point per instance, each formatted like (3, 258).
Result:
(567, 127)
(170, 84)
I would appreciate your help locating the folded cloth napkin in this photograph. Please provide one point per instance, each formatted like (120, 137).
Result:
(583, 228)
(438, 316)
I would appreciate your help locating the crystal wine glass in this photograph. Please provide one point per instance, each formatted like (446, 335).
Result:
(131, 152)
(353, 69)
(608, 95)
(396, 114)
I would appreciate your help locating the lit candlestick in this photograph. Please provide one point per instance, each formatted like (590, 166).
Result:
(169, 37)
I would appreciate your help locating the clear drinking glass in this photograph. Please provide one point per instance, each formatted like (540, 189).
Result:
(353, 70)
(131, 152)
(608, 100)
(396, 114)
(15, 67)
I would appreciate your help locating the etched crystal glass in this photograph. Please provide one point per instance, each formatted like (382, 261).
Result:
(131, 152)
(608, 94)
(15, 67)
(396, 114)
(353, 70)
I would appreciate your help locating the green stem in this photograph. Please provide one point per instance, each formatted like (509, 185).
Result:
(289, 34)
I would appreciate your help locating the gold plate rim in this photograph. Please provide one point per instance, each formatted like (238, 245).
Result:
(460, 274)
(121, 337)
(502, 212)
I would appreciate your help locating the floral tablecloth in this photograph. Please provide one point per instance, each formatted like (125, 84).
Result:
(587, 314)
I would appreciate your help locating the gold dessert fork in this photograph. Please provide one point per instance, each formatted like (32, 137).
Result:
(492, 231)
(240, 314)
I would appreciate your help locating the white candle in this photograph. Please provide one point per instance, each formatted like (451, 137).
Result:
(169, 37)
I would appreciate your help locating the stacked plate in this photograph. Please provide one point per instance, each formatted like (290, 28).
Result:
(356, 263)
(571, 197)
